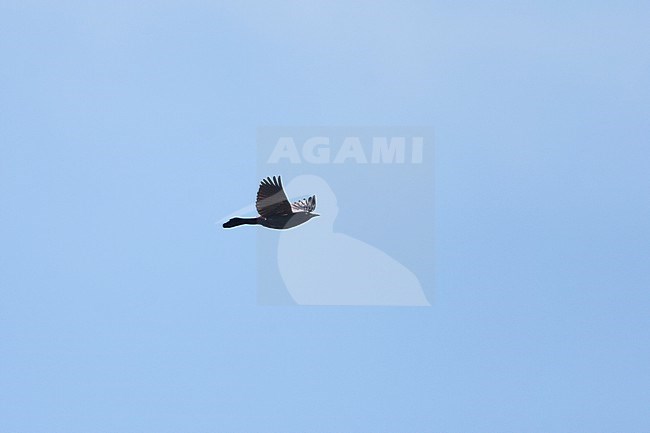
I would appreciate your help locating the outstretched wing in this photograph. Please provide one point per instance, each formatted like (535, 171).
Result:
(304, 205)
(271, 199)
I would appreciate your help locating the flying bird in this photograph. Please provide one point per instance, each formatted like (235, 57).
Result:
(275, 210)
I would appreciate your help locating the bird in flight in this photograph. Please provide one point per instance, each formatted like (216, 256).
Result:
(275, 210)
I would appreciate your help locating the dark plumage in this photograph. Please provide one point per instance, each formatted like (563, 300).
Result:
(274, 208)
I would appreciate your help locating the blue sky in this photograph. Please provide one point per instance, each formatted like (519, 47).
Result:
(127, 129)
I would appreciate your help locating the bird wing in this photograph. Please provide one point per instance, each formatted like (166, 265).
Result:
(304, 205)
(271, 199)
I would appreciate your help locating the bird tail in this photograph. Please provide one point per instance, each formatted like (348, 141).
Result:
(234, 222)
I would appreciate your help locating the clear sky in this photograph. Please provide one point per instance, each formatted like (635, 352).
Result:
(128, 128)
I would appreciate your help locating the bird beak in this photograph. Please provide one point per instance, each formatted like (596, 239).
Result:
(315, 214)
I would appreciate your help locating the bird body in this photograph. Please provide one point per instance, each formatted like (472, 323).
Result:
(275, 210)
